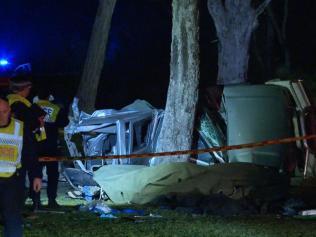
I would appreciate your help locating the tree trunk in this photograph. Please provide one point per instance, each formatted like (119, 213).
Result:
(234, 21)
(178, 123)
(87, 90)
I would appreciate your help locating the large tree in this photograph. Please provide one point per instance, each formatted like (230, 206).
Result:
(87, 90)
(234, 21)
(178, 122)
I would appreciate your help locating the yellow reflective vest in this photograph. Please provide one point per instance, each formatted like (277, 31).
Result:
(51, 110)
(12, 98)
(11, 143)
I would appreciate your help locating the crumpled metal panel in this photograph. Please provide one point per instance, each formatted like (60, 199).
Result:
(94, 145)
(71, 128)
(212, 135)
(120, 132)
(125, 125)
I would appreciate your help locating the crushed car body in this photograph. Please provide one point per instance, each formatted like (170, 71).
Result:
(246, 114)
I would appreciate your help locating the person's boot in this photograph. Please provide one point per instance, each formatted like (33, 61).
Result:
(52, 204)
(36, 204)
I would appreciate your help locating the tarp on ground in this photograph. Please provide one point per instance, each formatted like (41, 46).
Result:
(126, 184)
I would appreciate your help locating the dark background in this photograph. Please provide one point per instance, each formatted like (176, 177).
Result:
(54, 35)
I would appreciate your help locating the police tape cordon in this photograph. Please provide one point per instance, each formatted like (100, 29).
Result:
(184, 152)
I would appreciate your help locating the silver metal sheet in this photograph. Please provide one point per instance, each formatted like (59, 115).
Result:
(124, 127)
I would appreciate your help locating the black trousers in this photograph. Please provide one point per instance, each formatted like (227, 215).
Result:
(52, 182)
(11, 204)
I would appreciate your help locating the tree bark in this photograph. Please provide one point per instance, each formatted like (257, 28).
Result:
(234, 21)
(178, 123)
(87, 90)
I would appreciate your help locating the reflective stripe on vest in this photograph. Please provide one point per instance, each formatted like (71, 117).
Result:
(51, 110)
(12, 98)
(11, 144)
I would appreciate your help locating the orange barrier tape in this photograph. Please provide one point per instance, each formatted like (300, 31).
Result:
(185, 152)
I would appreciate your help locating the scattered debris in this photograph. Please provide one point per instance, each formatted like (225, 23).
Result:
(108, 216)
(132, 212)
(214, 204)
(311, 212)
(49, 211)
(89, 192)
(96, 206)
(292, 206)
(75, 194)
(104, 211)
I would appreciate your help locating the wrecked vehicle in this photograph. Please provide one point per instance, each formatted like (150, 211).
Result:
(243, 114)
(254, 113)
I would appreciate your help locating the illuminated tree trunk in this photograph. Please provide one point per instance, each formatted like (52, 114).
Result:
(87, 90)
(178, 123)
(234, 21)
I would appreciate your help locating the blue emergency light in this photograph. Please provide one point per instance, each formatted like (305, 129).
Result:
(3, 62)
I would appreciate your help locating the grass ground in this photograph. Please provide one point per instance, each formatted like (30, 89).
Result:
(80, 224)
(171, 224)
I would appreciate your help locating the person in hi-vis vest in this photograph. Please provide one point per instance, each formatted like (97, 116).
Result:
(30, 114)
(54, 119)
(12, 172)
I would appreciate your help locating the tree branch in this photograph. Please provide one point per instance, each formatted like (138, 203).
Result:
(218, 13)
(237, 5)
(262, 7)
(216, 8)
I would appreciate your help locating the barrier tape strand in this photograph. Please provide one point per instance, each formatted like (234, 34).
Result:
(184, 152)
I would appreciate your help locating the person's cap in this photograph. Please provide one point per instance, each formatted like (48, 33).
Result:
(20, 81)
(23, 69)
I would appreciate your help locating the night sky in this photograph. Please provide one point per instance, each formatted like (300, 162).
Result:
(53, 36)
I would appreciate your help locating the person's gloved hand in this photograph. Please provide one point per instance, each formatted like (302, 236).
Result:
(37, 184)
